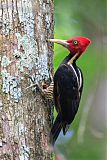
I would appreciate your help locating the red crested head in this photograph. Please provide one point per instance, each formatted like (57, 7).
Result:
(77, 44)
(74, 45)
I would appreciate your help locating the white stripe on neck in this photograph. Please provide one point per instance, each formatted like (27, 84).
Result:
(76, 75)
(80, 78)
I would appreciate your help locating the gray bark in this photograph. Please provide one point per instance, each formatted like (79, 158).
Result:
(25, 59)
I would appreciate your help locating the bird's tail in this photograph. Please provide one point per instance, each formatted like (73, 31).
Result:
(57, 126)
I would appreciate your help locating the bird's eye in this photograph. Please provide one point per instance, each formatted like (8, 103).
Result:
(75, 42)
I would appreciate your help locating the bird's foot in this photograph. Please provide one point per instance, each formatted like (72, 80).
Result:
(46, 91)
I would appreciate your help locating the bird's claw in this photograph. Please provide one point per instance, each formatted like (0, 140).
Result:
(40, 90)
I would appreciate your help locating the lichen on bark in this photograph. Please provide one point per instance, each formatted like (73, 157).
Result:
(25, 118)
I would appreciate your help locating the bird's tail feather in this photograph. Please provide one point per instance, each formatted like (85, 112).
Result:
(57, 126)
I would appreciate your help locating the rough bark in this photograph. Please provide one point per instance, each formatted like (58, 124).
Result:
(25, 59)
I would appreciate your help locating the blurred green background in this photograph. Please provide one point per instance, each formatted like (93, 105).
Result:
(85, 18)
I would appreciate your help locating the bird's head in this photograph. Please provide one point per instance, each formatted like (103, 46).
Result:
(74, 45)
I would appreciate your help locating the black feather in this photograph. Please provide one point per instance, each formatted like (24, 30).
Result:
(67, 94)
(56, 129)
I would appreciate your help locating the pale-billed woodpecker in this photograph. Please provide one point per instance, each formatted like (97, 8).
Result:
(67, 85)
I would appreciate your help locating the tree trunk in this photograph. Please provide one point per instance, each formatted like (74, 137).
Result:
(25, 59)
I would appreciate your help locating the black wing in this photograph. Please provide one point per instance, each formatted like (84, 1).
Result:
(66, 93)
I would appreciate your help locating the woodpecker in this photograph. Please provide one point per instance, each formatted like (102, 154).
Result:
(67, 85)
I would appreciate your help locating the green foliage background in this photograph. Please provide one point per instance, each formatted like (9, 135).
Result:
(83, 18)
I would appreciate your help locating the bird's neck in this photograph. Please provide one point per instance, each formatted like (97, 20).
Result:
(68, 58)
